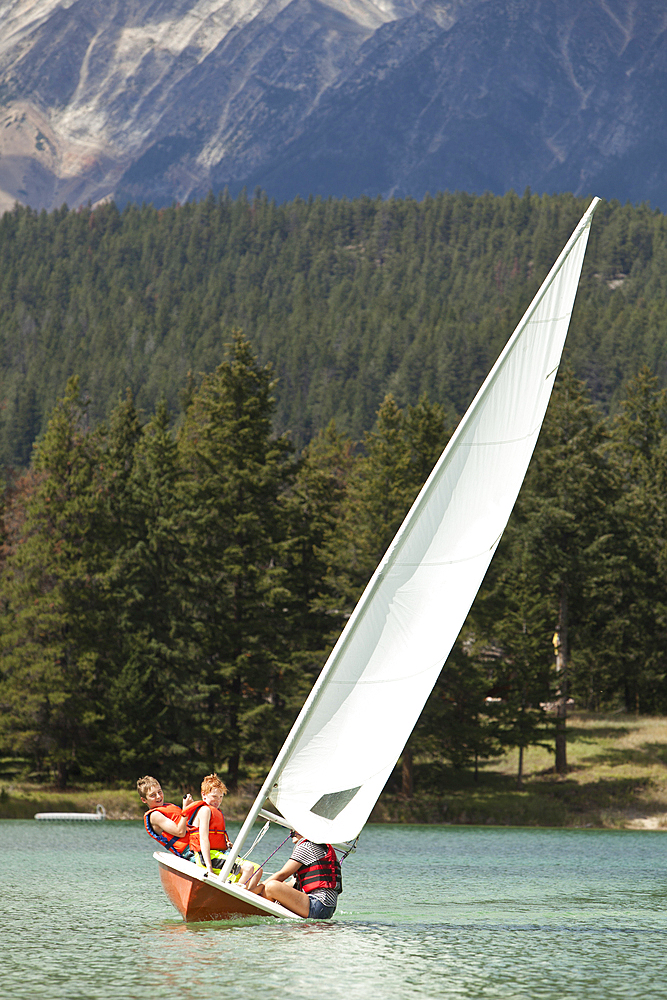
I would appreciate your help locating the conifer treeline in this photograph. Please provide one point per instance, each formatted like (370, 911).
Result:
(349, 300)
(167, 598)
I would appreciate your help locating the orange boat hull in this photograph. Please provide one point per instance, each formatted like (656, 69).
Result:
(197, 898)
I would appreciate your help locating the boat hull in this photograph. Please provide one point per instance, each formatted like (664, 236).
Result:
(198, 897)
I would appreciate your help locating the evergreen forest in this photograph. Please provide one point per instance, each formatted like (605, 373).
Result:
(349, 300)
(234, 405)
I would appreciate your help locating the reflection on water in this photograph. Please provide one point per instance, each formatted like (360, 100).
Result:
(426, 912)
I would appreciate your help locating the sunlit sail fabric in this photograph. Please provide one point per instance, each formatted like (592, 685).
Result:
(373, 688)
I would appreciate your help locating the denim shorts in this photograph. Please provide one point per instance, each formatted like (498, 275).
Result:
(319, 911)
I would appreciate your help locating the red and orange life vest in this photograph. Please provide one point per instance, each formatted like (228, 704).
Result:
(322, 874)
(177, 845)
(217, 834)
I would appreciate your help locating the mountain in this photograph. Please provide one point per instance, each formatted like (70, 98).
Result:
(163, 101)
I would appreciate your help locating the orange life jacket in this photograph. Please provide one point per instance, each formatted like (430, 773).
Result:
(177, 845)
(217, 834)
(322, 874)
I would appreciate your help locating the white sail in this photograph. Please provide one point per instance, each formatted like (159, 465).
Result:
(375, 683)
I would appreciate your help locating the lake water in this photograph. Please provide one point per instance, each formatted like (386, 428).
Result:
(458, 912)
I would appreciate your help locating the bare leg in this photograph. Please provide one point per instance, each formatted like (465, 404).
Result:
(249, 877)
(293, 899)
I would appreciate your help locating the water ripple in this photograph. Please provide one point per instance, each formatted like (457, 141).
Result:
(427, 912)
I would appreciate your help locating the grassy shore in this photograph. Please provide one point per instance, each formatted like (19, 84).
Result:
(617, 779)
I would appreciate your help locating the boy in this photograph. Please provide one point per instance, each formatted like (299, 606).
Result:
(208, 835)
(163, 820)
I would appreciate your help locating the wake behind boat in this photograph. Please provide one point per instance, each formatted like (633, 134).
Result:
(372, 689)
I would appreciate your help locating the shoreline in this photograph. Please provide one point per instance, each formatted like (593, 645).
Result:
(617, 779)
(425, 810)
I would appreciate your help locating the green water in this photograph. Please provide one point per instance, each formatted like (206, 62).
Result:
(456, 912)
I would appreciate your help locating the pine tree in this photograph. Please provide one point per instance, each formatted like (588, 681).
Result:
(399, 454)
(562, 512)
(235, 474)
(522, 672)
(51, 598)
(314, 508)
(458, 723)
(632, 589)
(145, 698)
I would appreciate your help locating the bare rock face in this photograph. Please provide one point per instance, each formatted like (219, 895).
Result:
(163, 92)
(162, 101)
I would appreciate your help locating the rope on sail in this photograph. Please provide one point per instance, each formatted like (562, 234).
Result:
(257, 840)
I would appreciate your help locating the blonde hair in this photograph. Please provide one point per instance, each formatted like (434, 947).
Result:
(210, 782)
(145, 784)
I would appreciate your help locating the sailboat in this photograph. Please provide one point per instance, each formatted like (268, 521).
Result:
(372, 689)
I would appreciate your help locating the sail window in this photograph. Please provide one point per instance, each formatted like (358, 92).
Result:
(333, 803)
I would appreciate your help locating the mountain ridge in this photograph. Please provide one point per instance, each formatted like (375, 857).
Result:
(330, 97)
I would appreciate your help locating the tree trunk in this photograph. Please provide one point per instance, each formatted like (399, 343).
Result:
(561, 670)
(519, 775)
(561, 740)
(233, 764)
(406, 774)
(233, 734)
(62, 774)
(234, 758)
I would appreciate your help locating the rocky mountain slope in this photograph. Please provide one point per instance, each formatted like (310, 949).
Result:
(164, 100)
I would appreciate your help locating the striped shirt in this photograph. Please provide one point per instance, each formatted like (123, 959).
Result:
(307, 853)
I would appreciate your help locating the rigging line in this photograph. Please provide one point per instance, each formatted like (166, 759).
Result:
(345, 853)
(269, 857)
(257, 840)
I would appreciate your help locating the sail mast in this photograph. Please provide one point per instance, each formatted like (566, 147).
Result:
(370, 693)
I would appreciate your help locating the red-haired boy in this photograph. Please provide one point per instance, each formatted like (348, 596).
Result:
(208, 834)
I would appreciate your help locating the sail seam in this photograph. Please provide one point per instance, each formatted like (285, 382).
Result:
(500, 441)
(436, 665)
(453, 562)
(550, 319)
